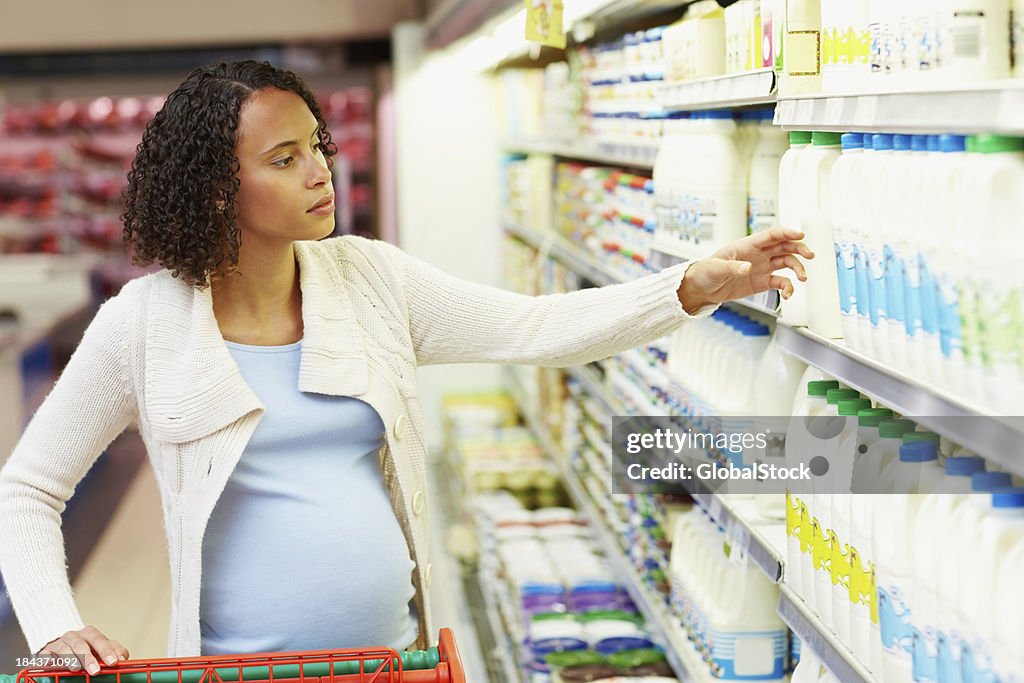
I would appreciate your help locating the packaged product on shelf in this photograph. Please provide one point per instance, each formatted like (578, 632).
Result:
(843, 193)
(1008, 659)
(929, 533)
(763, 179)
(793, 311)
(726, 609)
(802, 49)
(695, 47)
(915, 472)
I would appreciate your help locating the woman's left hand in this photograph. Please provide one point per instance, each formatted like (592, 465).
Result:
(745, 267)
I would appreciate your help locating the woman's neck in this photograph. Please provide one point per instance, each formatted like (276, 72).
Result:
(261, 303)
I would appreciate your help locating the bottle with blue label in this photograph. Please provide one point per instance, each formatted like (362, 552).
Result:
(919, 182)
(897, 188)
(875, 242)
(844, 197)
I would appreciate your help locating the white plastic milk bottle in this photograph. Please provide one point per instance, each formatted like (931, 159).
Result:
(931, 529)
(814, 172)
(794, 309)
(843, 199)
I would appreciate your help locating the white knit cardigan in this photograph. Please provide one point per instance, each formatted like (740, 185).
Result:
(154, 357)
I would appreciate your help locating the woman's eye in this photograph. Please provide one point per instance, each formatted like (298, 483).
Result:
(287, 161)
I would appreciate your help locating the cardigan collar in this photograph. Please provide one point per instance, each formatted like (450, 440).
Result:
(193, 385)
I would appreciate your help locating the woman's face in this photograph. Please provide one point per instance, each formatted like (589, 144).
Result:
(285, 191)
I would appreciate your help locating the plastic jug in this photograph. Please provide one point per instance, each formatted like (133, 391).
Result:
(931, 530)
(798, 525)
(1000, 529)
(963, 524)
(874, 240)
(793, 310)
(763, 192)
(1007, 655)
(844, 197)
(915, 472)
(814, 171)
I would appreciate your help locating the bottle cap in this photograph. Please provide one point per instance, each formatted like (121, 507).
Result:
(919, 143)
(821, 139)
(718, 114)
(872, 417)
(933, 143)
(851, 407)
(912, 437)
(1010, 497)
(821, 387)
(894, 429)
(964, 466)
(995, 144)
(852, 141)
(901, 143)
(988, 481)
(834, 396)
(919, 451)
(799, 137)
(881, 142)
(952, 143)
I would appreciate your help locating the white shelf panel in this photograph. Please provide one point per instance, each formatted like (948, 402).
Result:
(820, 640)
(585, 265)
(994, 107)
(720, 92)
(997, 438)
(635, 154)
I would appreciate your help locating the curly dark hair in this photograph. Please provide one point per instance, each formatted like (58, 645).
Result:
(185, 168)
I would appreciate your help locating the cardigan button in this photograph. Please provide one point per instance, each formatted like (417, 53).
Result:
(426, 575)
(418, 500)
(399, 429)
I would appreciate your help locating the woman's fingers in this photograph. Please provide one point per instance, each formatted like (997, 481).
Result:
(782, 284)
(90, 646)
(790, 248)
(791, 262)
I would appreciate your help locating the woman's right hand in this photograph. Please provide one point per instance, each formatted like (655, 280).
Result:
(90, 645)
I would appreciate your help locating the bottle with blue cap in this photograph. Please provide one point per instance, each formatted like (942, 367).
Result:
(1000, 529)
(930, 531)
(859, 226)
(874, 237)
(916, 472)
(938, 219)
(917, 196)
(894, 229)
(844, 196)
(960, 532)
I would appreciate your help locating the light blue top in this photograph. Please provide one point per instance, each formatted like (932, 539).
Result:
(303, 550)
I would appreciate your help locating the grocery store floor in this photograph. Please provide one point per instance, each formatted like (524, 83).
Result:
(121, 579)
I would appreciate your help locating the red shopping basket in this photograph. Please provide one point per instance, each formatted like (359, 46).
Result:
(380, 665)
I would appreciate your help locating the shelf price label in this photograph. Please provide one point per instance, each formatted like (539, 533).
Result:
(544, 22)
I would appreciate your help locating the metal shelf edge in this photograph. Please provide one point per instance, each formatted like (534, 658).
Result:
(999, 440)
(833, 654)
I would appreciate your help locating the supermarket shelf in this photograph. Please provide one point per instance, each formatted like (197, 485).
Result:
(638, 155)
(721, 92)
(993, 107)
(762, 542)
(566, 253)
(681, 655)
(585, 265)
(503, 651)
(833, 653)
(996, 438)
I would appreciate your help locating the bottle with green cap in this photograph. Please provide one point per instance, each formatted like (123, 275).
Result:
(794, 309)
(993, 350)
(811, 402)
(867, 472)
(815, 213)
(840, 474)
